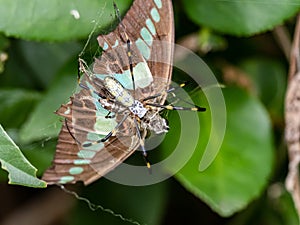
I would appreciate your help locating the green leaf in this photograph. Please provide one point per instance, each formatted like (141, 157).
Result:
(281, 206)
(13, 102)
(40, 154)
(21, 172)
(4, 42)
(242, 17)
(34, 64)
(270, 91)
(46, 59)
(208, 41)
(241, 170)
(55, 20)
(43, 123)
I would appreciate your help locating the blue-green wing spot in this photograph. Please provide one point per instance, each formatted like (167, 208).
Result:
(144, 48)
(76, 170)
(86, 154)
(146, 35)
(151, 26)
(155, 15)
(105, 46)
(66, 179)
(82, 161)
(94, 136)
(102, 125)
(68, 111)
(116, 44)
(158, 3)
(142, 76)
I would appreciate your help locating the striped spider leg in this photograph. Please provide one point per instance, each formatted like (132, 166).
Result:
(144, 113)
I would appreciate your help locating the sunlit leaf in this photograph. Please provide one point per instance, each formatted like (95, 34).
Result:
(268, 78)
(55, 20)
(240, 17)
(241, 170)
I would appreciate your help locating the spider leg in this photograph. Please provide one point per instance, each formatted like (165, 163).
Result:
(142, 144)
(68, 128)
(170, 107)
(111, 133)
(172, 89)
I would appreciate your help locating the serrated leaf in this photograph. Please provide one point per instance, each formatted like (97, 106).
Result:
(242, 167)
(21, 172)
(55, 20)
(242, 17)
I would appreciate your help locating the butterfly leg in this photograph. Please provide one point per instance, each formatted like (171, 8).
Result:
(171, 107)
(172, 89)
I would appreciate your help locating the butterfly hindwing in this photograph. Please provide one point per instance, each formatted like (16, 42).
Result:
(84, 122)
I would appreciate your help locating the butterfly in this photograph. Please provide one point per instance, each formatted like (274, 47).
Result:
(119, 100)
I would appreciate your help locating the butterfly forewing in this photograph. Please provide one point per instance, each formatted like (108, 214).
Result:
(152, 30)
(148, 27)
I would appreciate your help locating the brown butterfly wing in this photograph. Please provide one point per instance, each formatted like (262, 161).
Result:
(72, 161)
(160, 14)
(149, 26)
(66, 153)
